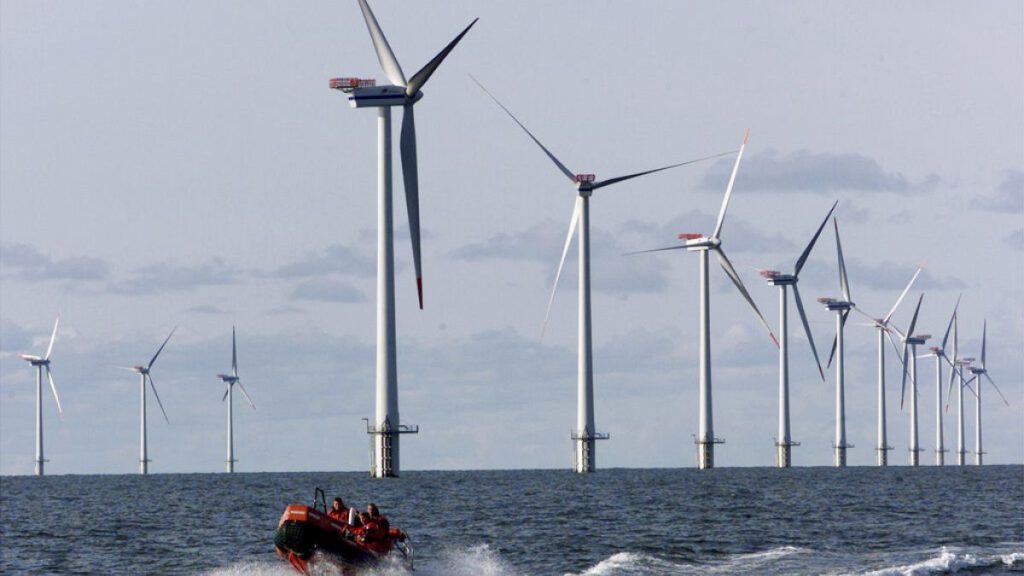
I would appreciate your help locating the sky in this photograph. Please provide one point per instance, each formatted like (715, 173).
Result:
(185, 164)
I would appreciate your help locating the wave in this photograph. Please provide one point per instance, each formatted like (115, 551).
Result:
(639, 564)
(954, 560)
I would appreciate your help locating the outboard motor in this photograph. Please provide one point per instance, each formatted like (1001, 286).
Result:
(352, 516)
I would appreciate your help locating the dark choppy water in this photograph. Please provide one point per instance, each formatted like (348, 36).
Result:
(616, 522)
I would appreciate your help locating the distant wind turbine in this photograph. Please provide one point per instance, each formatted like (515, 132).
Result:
(40, 364)
(144, 375)
(695, 242)
(585, 435)
(885, 330)
(784, 442)
(231, 380)
(387, 428)
(842, 309)
(939, 352)
(910, 343)
(957, 374)
(979, 373)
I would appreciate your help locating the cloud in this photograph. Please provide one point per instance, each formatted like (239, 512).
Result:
(26, 262)
(543, 242)
(14, 338)
(170, 277)
(328, 290)
(205, 309)
(334, 259)
(1015, 240)
(1008, 197)
(534, 244)
(805, 171)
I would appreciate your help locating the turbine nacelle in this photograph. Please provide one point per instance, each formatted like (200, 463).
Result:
(373, 96)
(228, 378)
(585, 183)
(695, 242)
(34, 360)
(776, 278)
(918, 339)
(835, 305)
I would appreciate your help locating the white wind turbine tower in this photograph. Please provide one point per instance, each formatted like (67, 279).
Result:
(144, 375)
(784, 442)
(885, 332)
(585, 435)
(911, 342)
(842, 309)
(957, 373)
(231, 380)
(939, 352)
(695, 242)
(41, 364)
(387, 428)
(978, 374)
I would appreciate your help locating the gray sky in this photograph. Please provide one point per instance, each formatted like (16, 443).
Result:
(186, 164)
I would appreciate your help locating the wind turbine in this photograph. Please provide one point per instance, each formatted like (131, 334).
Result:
(695, 242)
(939, 352)
(363, 93)
(885, 330)
(842, 309)
(231, 380)
(784, 443)
(957, 373)
(40, 364)
(144, 375)
(585, 435)
(911, 342)
(978, 373)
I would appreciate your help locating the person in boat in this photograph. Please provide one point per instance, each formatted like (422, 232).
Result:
(339, 511)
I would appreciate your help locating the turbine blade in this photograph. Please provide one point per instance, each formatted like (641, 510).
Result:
(895, 348)
(159, 350)
(949, 389)
(49, 377)
(568, 240)
(844, 282)
(807, 329)
(807, 251)
(387, 59)
(874, 321)
(234, 354)
(226, 392)
(654, 250)
(159, 403)
(568, 173)
(731, 272)
(420, 78)
(53, 338)
(617, 179)
(984, 332)
(902, 294)
(728, 189)
(410, 175)
(906, 348)
(967, 385)
(246, 394)
(992, 382)
(832, 352)
(949, 326)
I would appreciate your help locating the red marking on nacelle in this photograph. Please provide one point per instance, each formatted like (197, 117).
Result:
(585, 178)
(768, 273)
(347, 84)
(690, 235)
(824, 300)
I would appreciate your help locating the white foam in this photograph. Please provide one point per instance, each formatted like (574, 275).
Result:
(478, 560)
(1012, 559)
(256, 568)
(946, 562)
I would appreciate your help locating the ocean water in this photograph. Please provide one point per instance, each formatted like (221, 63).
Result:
(508, 523)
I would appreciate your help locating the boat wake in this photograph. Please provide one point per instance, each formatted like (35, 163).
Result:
(482, 560)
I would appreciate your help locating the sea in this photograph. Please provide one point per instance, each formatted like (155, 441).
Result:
(615, 522)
